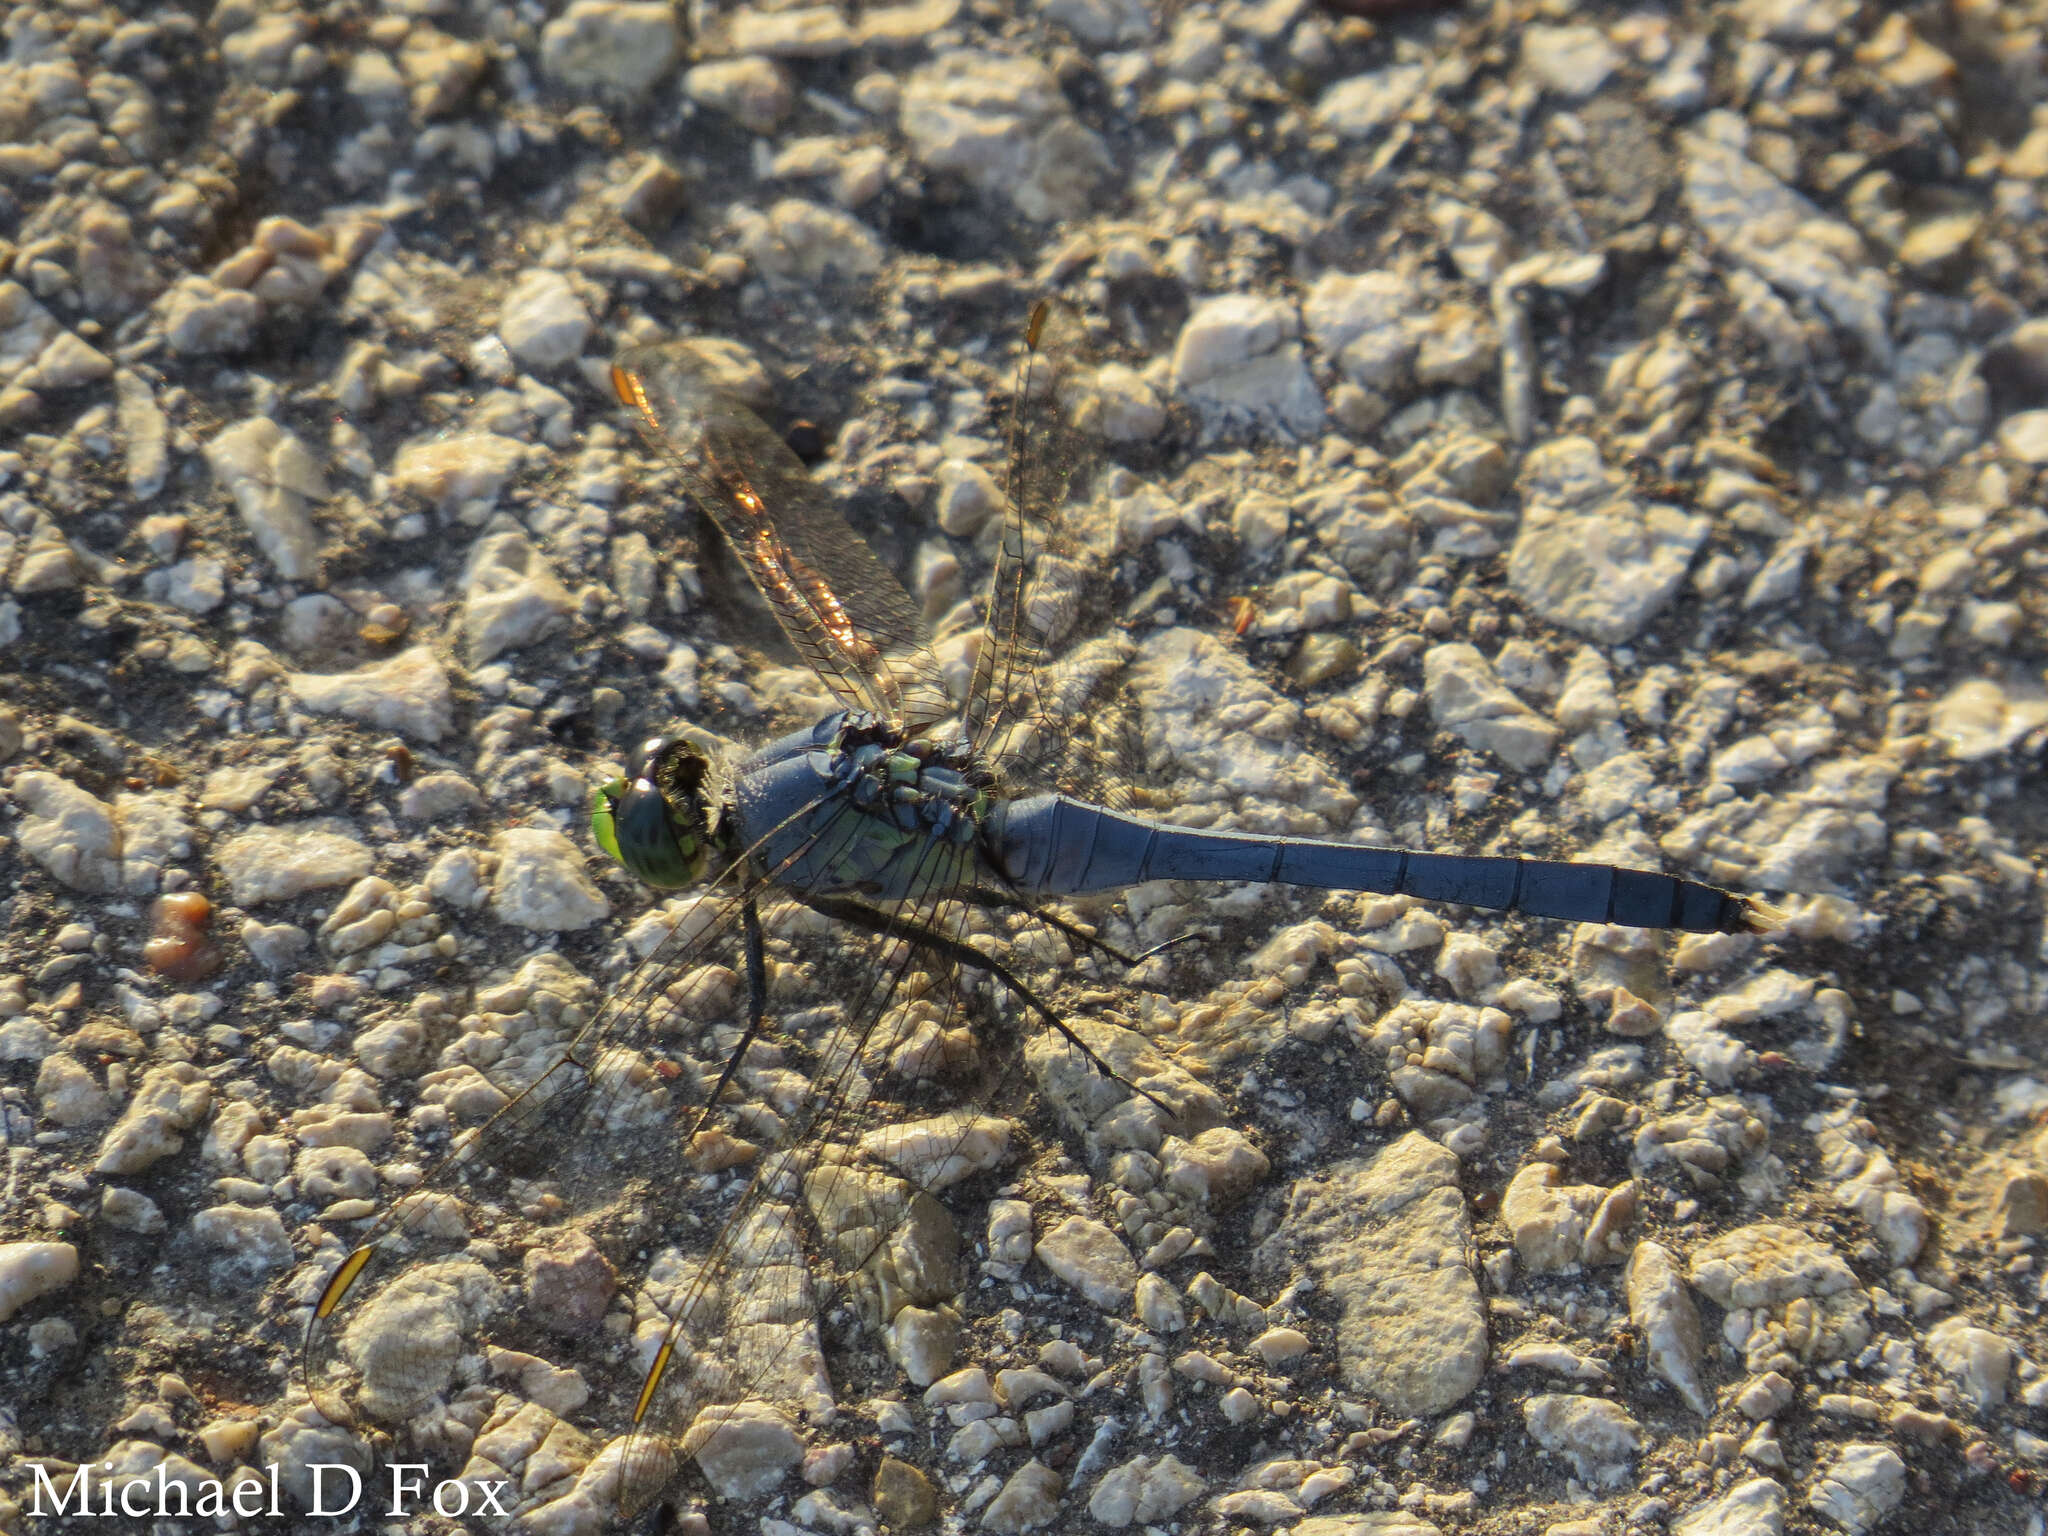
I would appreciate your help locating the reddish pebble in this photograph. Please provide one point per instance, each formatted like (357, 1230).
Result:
(177, 948)
(184, 906)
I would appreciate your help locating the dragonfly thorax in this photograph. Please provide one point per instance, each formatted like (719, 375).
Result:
(860, 805)
(933, 783)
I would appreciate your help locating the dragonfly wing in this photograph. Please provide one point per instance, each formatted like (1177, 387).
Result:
(557, 1074)
(507, 1256)
(1053, 719)
(1028, 603)
(848, 617)
(844, 1190)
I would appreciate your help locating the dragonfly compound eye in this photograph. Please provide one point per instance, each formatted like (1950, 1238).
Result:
(657, 824)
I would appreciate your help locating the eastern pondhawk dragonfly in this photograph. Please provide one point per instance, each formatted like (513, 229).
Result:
(855, 868)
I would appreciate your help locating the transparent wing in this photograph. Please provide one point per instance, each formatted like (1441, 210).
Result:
(846, 1191)
(551, 1080)
(1050, 719)
(832, 1134)
(1028, 599)
(847, 616)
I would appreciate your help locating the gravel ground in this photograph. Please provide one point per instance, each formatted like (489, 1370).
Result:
(1551, 428)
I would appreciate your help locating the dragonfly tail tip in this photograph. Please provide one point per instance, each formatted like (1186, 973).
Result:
(1761, 917)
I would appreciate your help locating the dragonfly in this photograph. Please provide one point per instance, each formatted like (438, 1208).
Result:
(855, 871)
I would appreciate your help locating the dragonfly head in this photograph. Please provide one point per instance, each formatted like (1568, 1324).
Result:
(658, 823)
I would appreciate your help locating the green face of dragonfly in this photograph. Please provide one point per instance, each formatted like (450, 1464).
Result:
(658, 824)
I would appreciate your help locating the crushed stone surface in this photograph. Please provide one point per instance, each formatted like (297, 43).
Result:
(1562, 429)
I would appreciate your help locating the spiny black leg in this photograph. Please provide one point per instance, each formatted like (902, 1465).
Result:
(860, 915)
(757, 1009)
(1003, 900)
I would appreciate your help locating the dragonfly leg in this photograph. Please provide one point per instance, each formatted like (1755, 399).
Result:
(860, 915)
(757, 1010)
(981, 896)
